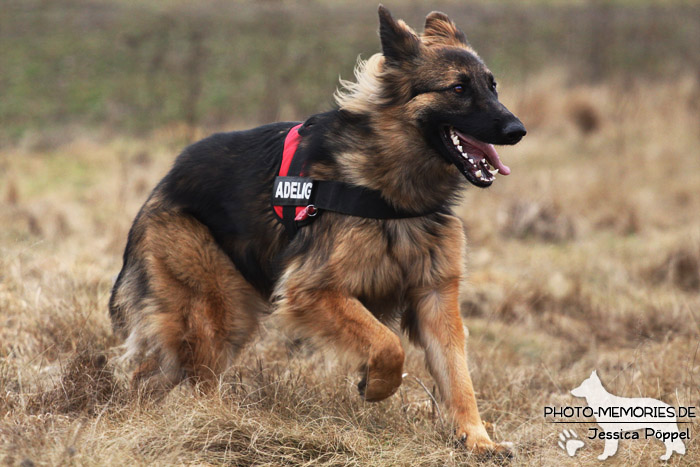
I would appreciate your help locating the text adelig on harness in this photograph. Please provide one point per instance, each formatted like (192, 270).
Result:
(292, 191)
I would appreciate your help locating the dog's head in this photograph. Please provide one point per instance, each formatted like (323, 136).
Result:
(439, 85)
(589, 387)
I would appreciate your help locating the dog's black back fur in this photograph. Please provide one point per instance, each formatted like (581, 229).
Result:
(225, 182)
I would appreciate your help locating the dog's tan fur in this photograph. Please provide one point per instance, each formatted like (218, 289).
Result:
(359, 275)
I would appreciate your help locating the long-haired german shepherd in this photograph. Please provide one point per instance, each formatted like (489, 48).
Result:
(207, 255)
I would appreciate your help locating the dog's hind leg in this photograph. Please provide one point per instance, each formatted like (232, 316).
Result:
(678, 446)
(344, 322)
(673, 446)
(200, 310)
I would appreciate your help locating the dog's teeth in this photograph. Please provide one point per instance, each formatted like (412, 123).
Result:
(471, 161)
(493, 172)
(459, 146)
(478, 174)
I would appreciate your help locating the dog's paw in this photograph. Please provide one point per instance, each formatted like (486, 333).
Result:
(374, 388)
(478, 442)
(569, 442)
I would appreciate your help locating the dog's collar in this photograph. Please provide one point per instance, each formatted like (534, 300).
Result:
(298, 200)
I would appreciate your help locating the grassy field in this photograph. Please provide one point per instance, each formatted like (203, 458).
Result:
(586, 257)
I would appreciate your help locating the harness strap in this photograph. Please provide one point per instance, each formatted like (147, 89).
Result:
(295, 168)
(297, 208)
(355, 201)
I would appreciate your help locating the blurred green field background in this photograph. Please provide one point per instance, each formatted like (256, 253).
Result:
(134, 66)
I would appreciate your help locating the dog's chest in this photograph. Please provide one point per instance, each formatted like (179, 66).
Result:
(381, 261)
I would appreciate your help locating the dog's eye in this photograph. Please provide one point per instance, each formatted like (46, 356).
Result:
(493, 85)
(459, 89)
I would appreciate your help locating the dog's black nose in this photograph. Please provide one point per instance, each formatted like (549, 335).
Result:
(514, 131)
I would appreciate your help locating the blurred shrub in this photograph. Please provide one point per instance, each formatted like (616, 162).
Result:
(680, 268)
(544, 222)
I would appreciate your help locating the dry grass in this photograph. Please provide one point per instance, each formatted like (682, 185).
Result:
(586, 257)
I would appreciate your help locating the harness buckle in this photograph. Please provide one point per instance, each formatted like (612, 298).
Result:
(308, 211)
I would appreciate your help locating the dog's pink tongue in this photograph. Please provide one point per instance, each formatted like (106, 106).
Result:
(489, 152)
(494, 160)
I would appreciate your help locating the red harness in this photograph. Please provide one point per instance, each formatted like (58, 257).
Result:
(291, 143)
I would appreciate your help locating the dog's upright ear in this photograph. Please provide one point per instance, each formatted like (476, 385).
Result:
(439, 29)
(399, 42)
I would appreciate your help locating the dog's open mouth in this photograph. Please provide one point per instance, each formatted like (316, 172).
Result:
(478, 161)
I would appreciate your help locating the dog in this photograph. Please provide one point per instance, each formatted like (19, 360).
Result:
(614, 427)
(207, 255)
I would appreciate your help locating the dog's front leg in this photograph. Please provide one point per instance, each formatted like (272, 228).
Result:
(344, 322)
(609, 449)
(440, 331)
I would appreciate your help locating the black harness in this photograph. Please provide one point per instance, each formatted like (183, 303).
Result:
(298, 200)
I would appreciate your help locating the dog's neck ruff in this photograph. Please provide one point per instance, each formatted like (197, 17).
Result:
(298, 200)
